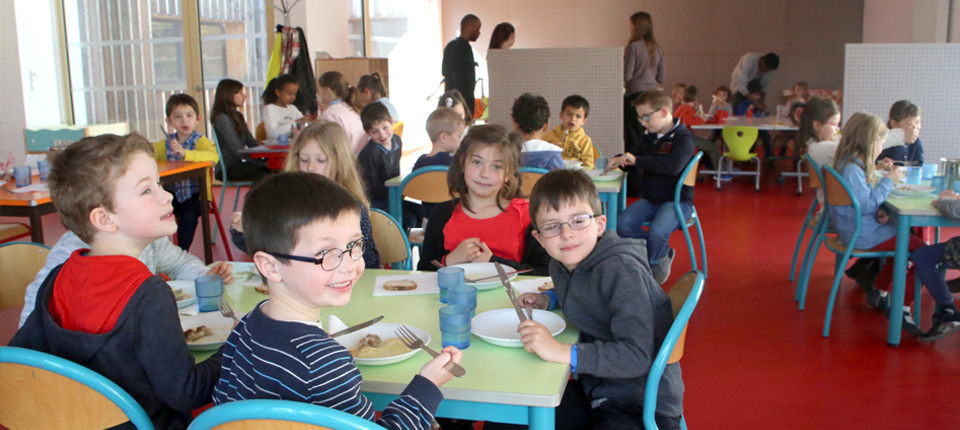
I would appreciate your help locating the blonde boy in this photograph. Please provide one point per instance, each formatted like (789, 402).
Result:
(310, 251)
(103, 308)
(445, 129)
(570, 135)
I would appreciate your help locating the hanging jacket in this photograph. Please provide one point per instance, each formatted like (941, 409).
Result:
(302, 69)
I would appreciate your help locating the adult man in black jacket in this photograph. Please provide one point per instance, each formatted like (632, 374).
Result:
(458, 65)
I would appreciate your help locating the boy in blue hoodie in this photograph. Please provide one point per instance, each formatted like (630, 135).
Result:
(604, 286)
(103, 308)
(531, 117)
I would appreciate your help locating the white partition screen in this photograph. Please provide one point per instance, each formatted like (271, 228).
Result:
(877, 75)
(594, 73)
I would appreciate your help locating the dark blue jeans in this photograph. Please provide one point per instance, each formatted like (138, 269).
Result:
(663, 222)
(187, 214)
(925, 260)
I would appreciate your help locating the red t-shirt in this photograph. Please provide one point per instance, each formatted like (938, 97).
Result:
(90, 293)
(504, 233)
(687, 115)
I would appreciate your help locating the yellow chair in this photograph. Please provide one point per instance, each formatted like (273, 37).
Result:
(427, 184)
(529, 177)
(398, 128)
(392, 244)
(19, 264)
(42, 391)
(739, 141)
(278, 415)
(261, 133)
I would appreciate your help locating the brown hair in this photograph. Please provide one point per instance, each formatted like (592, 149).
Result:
(643, 29)
(223, 104)
(817, 109)
(372, 82)
(563, 186)
(858, 142)
(182, 99)
(656, 98)
(452, 98)
(272, 220)
(341, 88)
(508, 144)
(443, 120)
(372, 114)
(723, 88)
(500, 34)
(690, 94)
(902, 110)
(341, 161)
(83, 177)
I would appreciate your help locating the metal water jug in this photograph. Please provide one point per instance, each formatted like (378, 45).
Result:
(950, 169)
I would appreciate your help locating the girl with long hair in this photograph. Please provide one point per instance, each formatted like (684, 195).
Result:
(233, 134)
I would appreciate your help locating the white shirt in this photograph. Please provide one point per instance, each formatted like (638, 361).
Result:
(279, 120)
(535, 145)
(747, 70)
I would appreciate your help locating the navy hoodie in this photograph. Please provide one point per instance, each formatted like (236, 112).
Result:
(145, 352)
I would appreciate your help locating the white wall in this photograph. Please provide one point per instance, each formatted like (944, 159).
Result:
(702, 39)
(12, 118)
(908, 21)
(325, 24)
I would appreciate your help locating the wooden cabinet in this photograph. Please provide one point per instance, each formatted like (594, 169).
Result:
(354, 68)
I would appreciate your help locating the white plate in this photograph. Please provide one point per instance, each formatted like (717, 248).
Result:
(221, 326)
(385, 331)
(189, 288)
(597, 174)
(910, 190)
(573, 164)
(483, 270)
(499, 326)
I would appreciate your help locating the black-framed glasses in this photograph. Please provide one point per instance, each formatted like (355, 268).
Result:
(646, 118)
(331, 258)
(578, 222)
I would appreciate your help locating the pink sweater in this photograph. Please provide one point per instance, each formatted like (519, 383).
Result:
(350, 121)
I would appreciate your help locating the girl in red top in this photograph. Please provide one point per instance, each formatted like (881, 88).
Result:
(488, 219)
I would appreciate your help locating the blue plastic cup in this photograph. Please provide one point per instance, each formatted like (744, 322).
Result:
(209, 288)
(461, 340)
(939, 183)
(43, 168)
(283, 139)
(22, 175)
(914, 175)
(465, 295)
(453, 316)
(956, 186)
(448, 277)
(929, 170)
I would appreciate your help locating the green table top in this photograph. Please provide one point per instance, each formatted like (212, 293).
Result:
(913, 205)
(494, 374)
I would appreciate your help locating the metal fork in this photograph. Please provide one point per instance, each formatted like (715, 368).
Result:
(226, 310)
(412, 341)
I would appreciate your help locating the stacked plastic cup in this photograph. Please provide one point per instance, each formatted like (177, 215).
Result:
(914, 175)
(43, 167)
(22, 176)
(930, 170)
(455, 326)
(448, 277)
(209, 288)
(464, 295)
(939, 183)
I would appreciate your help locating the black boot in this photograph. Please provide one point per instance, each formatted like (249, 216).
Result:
(857, 268)
(954, 285)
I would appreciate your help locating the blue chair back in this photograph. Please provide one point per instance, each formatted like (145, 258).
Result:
(837, 192)
(19, 264)
(424, 186)
(529, 177)
(392, 244)
(816, 175)
(278, 414)
(684, 297)
(40, 390)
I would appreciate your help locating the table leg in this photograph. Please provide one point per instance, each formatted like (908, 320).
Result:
(36, 227)
(395, 204)
(542, 418)
(205, 218)
(613, 208)
(899, 279)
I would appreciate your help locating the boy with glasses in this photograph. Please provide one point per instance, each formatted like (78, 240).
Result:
(309, 250)
(663, 152)
(604, 286)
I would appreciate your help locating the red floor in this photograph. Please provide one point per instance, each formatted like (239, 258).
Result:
(754, 361)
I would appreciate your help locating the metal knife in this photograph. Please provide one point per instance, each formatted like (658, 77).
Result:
(515, 272)
(509, 287)
(354, 328)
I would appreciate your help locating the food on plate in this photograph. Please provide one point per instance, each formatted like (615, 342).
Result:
(400, 285)
(546, 286)
(369, 340)
(179, 295)
(194, 334)
(388, 348)
(909, 187)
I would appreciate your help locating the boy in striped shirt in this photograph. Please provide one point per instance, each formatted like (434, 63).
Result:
(309, 249)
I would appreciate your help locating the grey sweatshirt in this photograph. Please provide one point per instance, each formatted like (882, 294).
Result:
(623, 317)
(949, 207)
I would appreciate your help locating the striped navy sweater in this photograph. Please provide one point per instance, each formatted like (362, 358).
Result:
(268, 359)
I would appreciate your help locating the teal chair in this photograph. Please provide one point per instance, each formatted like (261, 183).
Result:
(277, 415)
(427, 184)
(226, 183)
(684, 296)
(809, 223)
(40, 390)
(689, 177)
(739, 140)
(528, 177)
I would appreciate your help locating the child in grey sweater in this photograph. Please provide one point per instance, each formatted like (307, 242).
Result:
(604, 286)
(946, 318)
